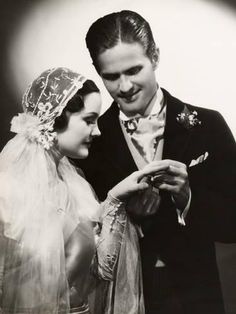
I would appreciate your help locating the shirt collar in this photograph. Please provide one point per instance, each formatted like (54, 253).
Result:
(158, 105)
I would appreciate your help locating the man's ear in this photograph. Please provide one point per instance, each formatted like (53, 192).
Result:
(155, 58)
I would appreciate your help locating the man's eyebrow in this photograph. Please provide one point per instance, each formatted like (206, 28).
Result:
(133, 68)
(107, 74)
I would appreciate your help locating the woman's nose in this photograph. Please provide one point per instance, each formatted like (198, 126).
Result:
(95, 131)
(125, 84)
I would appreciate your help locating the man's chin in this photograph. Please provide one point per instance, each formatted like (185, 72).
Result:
(130, 109)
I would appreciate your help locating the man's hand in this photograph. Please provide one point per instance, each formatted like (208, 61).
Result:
(174, 179)
(141, 188)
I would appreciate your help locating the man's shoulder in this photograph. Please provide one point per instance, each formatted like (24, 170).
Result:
(203, 111)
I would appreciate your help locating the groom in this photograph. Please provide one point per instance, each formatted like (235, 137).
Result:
(191, 201)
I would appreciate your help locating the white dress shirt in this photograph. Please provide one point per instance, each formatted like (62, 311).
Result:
(139, 160)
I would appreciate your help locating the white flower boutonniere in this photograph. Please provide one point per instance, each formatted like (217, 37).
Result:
(188, 118)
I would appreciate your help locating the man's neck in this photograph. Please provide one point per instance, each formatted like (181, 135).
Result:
(150, 105)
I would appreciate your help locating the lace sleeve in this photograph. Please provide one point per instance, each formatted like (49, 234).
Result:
(109, 236)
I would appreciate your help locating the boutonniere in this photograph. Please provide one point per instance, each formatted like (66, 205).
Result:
(188, 118)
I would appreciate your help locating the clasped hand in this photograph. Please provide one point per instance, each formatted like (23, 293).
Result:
(172, 176)
(141, 188)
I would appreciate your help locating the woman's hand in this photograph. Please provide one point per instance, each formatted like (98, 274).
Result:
(137, 181)
(168, 175)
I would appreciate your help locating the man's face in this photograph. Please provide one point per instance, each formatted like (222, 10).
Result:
(128, 75)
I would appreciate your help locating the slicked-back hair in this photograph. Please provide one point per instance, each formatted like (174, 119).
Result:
(124, 26)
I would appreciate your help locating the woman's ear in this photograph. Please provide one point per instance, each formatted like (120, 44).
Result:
(155, 58)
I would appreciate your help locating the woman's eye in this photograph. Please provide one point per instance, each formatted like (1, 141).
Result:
(89, 122)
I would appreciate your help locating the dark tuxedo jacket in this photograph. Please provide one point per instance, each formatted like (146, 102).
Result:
(188, 251)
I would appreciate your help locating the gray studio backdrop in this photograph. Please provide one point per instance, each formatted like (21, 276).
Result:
(12, 13)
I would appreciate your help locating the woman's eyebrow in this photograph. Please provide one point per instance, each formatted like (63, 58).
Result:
(91, 114)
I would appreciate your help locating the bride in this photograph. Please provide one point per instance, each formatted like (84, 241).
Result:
(54, 235)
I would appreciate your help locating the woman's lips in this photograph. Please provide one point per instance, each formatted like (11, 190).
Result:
(88, 143)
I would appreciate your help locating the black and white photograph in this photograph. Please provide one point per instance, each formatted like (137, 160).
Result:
(117, 157)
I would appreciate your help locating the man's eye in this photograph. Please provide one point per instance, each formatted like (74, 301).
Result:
(110, 77)
(134, 71)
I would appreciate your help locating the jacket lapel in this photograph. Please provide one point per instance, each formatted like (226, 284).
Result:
(176, 137)
(118, 154)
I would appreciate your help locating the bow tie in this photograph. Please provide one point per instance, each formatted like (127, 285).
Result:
(145, 133)
(142, 123)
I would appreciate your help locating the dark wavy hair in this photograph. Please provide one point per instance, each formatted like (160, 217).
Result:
(124, 26)
(75, 104)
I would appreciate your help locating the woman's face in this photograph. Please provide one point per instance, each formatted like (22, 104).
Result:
(75, 140)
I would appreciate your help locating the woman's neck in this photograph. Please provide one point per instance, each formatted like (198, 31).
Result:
(57, 155)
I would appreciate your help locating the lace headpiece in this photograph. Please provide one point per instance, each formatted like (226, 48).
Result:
(43, 102)
(42, 201)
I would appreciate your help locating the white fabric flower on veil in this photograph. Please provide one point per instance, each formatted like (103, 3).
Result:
(32, 128)
(42, 200)
(43, 102)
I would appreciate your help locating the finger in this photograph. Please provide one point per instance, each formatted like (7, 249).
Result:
(158, 164)
(173, 188)
(149, 170)
(175, 176)
(157, 178)
(141, 186)
(163, 179)
(178, 175)
(167, 187)
(161, 166)
(174, 163)
(165, 165)
(175, 180)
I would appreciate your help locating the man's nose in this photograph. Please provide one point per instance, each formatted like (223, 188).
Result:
(95, 131)
(125, 84)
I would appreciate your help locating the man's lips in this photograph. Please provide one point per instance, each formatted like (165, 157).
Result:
(129, 96)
